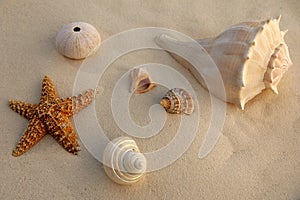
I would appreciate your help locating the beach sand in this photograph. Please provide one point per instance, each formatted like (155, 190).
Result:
(256, 157)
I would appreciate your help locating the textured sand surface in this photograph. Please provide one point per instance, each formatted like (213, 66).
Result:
(257, 156)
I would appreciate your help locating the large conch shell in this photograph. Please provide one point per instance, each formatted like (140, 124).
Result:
(77, 40)
(123, 162)
(177, 101)
(250, 56)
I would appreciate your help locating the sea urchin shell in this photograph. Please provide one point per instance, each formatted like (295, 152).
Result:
(77, 40)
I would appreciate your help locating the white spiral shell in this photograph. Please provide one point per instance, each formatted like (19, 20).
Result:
(123, 162)
(77, 40)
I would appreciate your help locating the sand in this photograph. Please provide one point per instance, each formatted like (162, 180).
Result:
(256, 157)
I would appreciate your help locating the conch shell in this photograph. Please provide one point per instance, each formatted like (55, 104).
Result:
(177, 101)
(141, 81)
(123, 162)
(77, 40)
(251, 56)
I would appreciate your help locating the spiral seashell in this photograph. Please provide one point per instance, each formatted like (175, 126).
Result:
(177, 101)
(251, 56)
(141, 81)
(123, 162)
(77, 40)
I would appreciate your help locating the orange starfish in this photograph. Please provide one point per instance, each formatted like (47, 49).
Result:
(51, 116)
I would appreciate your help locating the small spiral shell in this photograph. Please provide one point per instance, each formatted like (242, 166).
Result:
(77, 40)
(123, 162)
(178, 101)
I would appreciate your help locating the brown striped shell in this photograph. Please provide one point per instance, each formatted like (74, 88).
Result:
(251, 57)
(177, 101)
(77, 40)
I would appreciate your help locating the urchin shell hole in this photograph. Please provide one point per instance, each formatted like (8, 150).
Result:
(76, 29)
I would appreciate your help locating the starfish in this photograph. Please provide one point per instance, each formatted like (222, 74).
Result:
(50, 116)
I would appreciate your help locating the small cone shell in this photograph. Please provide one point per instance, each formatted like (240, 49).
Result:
(177, 101)
(77, 40)
(251, 56)
(141, 81)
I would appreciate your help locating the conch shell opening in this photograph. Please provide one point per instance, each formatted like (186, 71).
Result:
(251, 56)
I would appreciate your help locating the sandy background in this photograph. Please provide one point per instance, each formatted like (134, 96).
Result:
(257, 157)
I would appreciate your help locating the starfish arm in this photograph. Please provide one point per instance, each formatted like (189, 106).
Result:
(34, 133)
(61, 129)
(24, 109)
(48, 90)
(73, 105)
